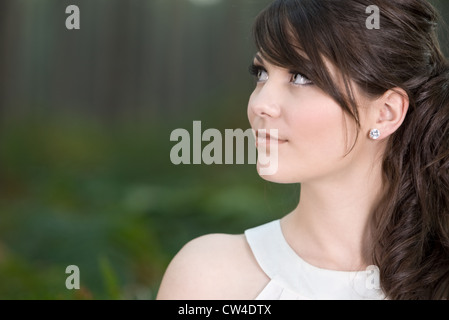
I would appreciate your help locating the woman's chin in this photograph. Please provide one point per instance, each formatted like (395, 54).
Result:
(273, 174)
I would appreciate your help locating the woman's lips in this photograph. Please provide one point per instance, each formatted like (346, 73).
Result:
(263, 137)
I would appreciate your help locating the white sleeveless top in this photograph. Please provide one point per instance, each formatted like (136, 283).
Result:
(292, 278)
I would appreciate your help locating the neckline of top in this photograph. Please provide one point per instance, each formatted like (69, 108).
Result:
(296, 256)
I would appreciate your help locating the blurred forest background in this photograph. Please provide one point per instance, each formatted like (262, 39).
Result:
(86, 116)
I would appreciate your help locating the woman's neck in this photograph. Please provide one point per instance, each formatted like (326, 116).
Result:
(330, 226)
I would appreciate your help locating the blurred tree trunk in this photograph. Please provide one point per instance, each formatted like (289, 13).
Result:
(443, 9)
(5, 54)
(117, 32)
(444, 30)
(176, 57)
(109, 58)
(233, 35)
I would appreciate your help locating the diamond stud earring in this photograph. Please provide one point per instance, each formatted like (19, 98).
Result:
(374, 134)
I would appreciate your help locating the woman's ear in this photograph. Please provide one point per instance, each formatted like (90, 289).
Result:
(391, 110)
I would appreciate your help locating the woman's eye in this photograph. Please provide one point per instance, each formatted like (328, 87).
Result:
(299, 79)
(262, 75)
(258, 72)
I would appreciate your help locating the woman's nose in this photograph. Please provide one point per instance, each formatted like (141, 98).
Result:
(264, 102)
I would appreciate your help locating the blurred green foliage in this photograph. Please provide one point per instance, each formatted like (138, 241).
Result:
(107, 199)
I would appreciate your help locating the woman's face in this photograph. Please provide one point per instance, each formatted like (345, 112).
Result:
(314, 134)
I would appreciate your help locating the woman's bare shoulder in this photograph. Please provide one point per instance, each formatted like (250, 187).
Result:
(213, 267)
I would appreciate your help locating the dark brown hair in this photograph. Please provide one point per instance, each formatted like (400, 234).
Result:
(410, 225)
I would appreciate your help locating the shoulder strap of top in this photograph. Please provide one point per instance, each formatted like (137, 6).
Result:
(270, 250)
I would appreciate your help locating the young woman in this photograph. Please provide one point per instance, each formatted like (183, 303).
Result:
(362, 117)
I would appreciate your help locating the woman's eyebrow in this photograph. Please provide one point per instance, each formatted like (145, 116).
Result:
(259, 59)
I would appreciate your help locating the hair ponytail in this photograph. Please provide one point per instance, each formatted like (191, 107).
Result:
(412, 226)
